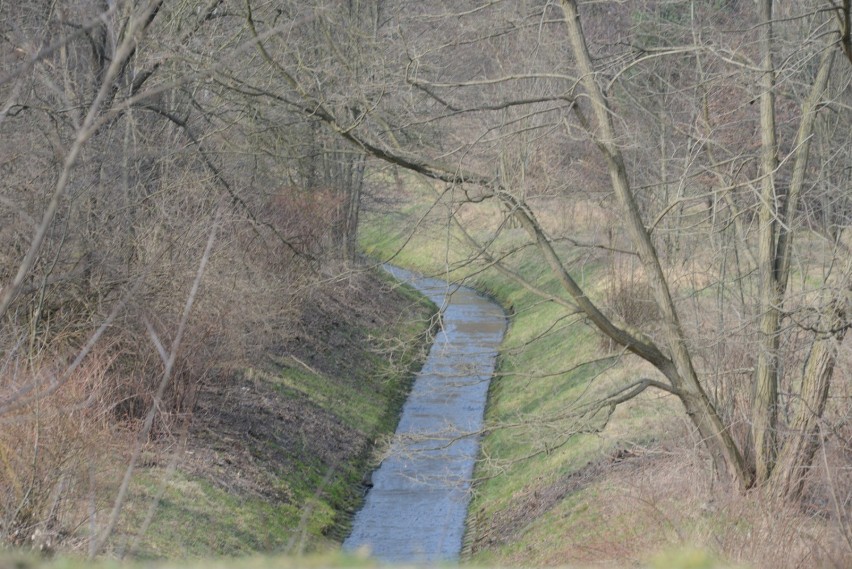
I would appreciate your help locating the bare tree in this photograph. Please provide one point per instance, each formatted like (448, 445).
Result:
(711, 133)
(453, 109)
(120, 135)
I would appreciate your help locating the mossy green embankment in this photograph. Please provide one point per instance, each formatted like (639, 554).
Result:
(539, 497)
(277, 454)
(681, 559)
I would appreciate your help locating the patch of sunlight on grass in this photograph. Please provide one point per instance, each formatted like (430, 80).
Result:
(685, 559)
(356, 408)
(196, 519)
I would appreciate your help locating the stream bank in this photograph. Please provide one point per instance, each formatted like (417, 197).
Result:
(278, 444)
(416, 509)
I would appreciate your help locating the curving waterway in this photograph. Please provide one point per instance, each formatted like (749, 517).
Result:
(416, 509)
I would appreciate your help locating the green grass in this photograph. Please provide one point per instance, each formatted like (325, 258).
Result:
(672, 559)
(196, 517)
(24, 561)
(353, 406)
(539, 379)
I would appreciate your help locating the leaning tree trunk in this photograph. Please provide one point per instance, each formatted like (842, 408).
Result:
(727, 459)
(797, 453)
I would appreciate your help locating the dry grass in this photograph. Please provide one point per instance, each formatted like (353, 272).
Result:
(551, 509)
(55, 454)
(66, 432)
(625, 509)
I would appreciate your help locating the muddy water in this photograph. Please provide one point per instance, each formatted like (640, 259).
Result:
(416, 509)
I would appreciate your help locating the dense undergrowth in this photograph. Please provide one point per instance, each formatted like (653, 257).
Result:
(269, 458)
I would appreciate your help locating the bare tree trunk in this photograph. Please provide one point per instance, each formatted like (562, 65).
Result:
(765, 397)
(796, 456)
(776, 239)
(727, 459)
(844, 17)
(798, 449)
(352, 203)
(343, 173)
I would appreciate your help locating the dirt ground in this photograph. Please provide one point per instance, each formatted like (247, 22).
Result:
(248, 434)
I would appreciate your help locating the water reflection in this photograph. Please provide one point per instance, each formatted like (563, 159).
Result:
(416, 509)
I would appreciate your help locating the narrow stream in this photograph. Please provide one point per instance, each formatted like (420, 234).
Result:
(416, 509)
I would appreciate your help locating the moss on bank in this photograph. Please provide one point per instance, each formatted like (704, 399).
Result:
(541, 494)
(277, 449)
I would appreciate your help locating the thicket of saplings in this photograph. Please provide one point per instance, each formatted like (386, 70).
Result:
(74, 409)
(158, 249)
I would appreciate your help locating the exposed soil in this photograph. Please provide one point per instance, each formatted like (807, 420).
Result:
(247, 434)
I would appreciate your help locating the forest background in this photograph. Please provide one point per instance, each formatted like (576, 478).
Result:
(183, 185)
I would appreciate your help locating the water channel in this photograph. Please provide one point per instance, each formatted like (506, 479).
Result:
(415, 512)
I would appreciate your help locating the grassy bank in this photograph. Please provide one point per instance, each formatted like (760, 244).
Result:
(536, 495)
(555, 489)
(273, 456)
